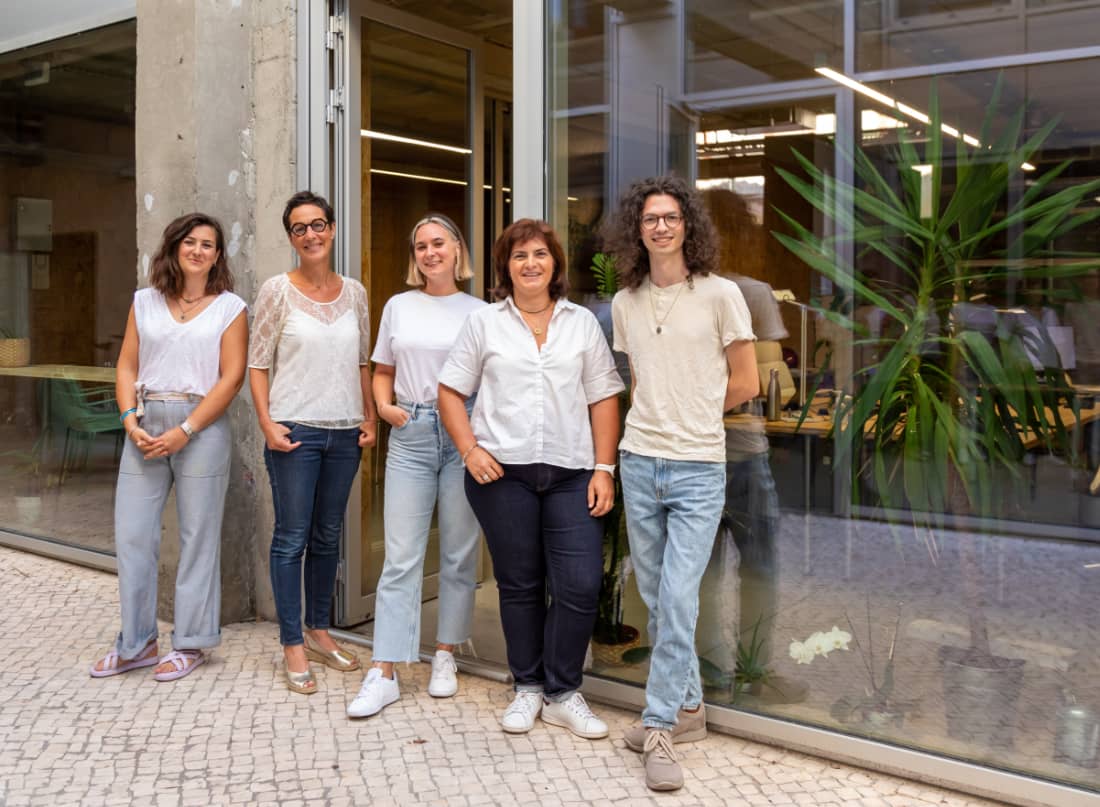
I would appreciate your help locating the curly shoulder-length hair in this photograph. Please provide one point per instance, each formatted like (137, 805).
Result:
(166, 275)
(622, 233)
(519, 232)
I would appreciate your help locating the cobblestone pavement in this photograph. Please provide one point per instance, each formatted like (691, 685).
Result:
(231, 733)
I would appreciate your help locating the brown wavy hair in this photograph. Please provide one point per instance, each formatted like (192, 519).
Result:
(166, 275)
(622, 233)
(517, 233)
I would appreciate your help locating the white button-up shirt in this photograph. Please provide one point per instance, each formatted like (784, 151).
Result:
(532, 405)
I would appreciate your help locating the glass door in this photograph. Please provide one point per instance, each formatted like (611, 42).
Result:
(413, 96)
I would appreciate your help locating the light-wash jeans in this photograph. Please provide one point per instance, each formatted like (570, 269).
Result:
(423, 468)
(672, 512)
(200, 473)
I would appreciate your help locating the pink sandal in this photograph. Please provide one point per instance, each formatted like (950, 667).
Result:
(182, 661)
(113, 665)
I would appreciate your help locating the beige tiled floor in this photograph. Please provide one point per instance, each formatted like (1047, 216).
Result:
(232, 734)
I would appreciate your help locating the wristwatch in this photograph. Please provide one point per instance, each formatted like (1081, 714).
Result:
(604, 467)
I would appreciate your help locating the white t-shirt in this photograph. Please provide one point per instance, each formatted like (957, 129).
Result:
(532, 405)
(680, 374)
(416, 334)
(314, 351)
(176, 356)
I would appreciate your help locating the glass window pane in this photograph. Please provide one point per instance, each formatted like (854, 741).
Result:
(67, 275)
(908, 33)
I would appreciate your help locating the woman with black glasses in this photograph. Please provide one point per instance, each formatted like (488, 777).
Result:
(311, 386)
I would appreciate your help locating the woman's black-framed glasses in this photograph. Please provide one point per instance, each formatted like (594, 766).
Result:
(317, 225)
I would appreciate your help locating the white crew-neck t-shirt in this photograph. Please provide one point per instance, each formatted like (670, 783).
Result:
(680, 374)
(416, 335)
(176, 356)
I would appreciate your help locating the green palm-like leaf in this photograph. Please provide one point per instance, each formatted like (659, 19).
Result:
(944, 413)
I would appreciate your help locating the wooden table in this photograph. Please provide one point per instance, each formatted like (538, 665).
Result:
(74, 372)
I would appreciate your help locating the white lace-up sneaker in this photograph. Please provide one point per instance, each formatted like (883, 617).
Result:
(573, 713)
(376, 693)
(519, 717)
(444, 681)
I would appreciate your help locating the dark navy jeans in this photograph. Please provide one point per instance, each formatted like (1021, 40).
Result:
(543, 542)
(309, 488)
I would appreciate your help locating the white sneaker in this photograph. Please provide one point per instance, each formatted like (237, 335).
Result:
(519, 717)
(444, 681)
(573, 713)
(375, 695)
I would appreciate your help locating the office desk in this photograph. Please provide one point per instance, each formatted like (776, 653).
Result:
(73, 372)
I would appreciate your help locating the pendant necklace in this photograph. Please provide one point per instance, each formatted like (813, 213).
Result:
(537, 331)
(179, 305)
(653, 305)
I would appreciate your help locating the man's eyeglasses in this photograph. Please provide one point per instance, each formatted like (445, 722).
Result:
(317, 225)
(672, 221)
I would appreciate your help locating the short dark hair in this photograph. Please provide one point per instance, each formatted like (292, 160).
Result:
(307, 198)
(517, 233)
(166, 275)
(622, 233)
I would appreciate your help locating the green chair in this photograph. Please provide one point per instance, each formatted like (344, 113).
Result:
(85, 413)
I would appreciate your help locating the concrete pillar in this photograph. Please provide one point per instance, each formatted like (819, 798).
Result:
(215, 132)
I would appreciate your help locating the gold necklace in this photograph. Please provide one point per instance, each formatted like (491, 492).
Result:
(653, 305)
(535, 329)
(183, 313)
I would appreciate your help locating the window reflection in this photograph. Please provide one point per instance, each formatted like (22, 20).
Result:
(67, 216)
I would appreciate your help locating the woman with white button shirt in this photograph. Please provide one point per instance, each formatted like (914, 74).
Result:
(538, 453)
(423, 469)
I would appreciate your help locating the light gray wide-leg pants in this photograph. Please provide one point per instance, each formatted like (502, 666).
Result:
(200, 473)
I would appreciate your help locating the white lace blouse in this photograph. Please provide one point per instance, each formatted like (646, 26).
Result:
(313, 351)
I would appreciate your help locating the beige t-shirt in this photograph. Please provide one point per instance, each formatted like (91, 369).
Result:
(680, 374)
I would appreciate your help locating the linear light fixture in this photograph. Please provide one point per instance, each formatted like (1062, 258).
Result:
(412, 141)
(886, 100)
(421, 177)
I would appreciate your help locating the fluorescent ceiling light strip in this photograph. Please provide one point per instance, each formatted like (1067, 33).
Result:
(412, 141)
(420, 177)
(886, 100)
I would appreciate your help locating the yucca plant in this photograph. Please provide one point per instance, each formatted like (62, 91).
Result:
(942, 414)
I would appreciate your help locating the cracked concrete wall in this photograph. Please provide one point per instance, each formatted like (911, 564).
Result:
(215, 132)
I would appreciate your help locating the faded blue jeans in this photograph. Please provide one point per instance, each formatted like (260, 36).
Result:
(423, 468)
(200, 474)
(672, 512)
(309, 489)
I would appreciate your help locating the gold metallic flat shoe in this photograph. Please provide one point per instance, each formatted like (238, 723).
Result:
(338, 659)
(301, 682)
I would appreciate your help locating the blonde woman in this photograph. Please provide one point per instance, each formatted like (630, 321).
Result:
(423, 468)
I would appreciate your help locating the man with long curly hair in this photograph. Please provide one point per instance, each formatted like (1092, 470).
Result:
(688, 335)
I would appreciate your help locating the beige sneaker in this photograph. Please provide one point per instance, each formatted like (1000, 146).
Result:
(691, 727)
(662, 770)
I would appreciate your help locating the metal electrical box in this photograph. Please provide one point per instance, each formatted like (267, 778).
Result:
(33, 226)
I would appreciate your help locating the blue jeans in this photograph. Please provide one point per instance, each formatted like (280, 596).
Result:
(672, 512)
(200, 474)
(543, 542)
(423, 467)
(309, 488)
(752, 513)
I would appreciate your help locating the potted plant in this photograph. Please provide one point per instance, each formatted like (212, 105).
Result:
(14, 351)
(611, 636)
(941, 415)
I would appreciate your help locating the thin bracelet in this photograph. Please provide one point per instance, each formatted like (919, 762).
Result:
(131, 411)
(467, 452)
